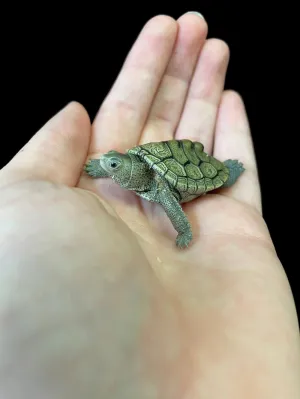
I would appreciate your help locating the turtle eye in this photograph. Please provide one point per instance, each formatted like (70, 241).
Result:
(114, 163)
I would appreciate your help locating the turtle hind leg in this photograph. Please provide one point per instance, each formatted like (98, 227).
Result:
(236, 168)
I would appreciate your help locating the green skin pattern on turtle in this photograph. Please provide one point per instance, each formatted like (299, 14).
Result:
(169, 173)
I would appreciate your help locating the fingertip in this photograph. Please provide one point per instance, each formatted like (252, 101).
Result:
(234, 110)
(195, 22)
(234, 97)
(78, 109)
(161, 24)
(161, 19)
(217, 50)
(197, 13)
(73, 111)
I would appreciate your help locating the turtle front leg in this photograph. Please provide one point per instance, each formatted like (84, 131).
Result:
(176, 215)
(161, 194)
(94, 169)
(151, 194)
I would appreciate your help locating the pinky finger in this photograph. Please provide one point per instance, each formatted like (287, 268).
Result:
(233, 141)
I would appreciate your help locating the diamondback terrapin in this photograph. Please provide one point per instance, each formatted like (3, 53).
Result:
(169, 173)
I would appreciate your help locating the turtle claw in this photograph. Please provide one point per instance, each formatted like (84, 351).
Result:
(94, 169)
(91, 167)
(183, 239)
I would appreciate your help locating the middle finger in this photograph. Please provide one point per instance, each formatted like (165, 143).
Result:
(168, 103)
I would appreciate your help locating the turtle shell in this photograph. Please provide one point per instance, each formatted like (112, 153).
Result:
(185, 165)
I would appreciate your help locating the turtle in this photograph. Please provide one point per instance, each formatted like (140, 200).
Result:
(170, 173)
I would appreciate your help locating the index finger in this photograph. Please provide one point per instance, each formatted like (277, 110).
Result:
(122, 115)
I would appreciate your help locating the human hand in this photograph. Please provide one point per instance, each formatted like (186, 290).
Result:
(96, 300)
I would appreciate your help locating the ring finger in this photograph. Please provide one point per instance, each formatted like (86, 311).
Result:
(204, 96)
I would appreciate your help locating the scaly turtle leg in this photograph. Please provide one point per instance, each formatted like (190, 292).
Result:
(94, 169)
(151, 194)
(162, 194)
(178, 218)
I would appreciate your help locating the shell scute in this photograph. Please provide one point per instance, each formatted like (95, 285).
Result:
(182, 184)
(185, 166)
(175, 167)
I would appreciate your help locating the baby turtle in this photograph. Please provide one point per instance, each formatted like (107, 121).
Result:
(169, 173)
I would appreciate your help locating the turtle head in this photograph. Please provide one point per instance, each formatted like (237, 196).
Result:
(127, 170)
(118, 166)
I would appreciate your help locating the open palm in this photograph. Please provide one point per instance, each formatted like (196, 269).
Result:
(172, 85)
(184, 318)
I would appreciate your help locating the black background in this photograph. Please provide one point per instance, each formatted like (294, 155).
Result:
(51, 55)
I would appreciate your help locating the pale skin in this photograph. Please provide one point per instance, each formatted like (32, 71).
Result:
(95, 299)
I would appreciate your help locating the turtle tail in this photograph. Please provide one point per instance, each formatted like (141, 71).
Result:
(236, 168)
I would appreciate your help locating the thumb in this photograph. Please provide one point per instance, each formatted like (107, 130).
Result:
(56, 152)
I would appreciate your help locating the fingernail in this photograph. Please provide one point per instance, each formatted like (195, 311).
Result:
(196, 13)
